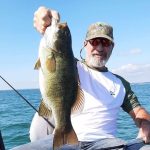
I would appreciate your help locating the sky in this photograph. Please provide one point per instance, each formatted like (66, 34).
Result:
(19, 41)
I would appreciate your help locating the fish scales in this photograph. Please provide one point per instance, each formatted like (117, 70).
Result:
(58, 80)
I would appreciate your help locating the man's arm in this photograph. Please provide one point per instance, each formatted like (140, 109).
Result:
(142, 120)
(132, 106)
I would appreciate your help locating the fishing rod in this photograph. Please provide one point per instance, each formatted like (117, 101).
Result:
(26, 101)
(2, 147)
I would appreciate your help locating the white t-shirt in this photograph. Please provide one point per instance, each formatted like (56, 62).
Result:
(103, 95)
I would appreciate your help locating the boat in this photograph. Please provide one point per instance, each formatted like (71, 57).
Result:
(43, 144)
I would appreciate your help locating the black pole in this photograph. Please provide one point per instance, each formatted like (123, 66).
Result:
(27, 102)
(19, 94)
(2, 147)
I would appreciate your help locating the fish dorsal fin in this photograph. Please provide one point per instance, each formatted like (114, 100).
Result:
(79, 103)
(44, 111)
(51, 63)
(37, 64)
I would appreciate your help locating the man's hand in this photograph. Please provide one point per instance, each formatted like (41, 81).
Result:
(43, 17)
(144, 132)
(142, 120)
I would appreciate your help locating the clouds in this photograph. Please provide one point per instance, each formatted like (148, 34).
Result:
(135, 51)
(131, 52)
(134, 73)
(134, 65)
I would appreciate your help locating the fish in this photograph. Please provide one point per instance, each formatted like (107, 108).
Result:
(58, 81)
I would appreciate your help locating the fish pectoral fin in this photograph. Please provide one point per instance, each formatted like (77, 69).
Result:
(44, 110)
(62, 138)
(51, 63)
(37, 64)
(79, 102)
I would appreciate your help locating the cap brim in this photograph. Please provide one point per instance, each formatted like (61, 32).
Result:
(100, 36)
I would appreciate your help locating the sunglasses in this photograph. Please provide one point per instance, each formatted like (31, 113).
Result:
(96, 41)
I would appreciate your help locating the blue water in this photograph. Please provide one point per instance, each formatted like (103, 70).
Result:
(16, 115)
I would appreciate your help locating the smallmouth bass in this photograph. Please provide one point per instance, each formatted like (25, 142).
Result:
(58, 81)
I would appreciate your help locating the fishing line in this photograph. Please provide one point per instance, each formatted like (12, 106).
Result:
(81, 50)
(27, 101)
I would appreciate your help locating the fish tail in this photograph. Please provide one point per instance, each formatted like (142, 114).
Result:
(62, 138)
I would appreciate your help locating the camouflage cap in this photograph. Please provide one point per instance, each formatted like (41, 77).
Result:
(100, 29)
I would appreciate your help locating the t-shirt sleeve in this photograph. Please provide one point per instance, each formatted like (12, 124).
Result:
(130, 99)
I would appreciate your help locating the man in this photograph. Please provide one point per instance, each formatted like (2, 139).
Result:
(104, 92)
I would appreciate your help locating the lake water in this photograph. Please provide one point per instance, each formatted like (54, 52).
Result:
(16, 114)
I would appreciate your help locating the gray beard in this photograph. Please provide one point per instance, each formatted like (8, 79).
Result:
(96, 63)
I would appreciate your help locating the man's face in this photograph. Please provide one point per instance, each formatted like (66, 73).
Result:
(98, 51)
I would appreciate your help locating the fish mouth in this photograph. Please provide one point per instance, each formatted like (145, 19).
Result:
(62, 25)
(56, 51)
